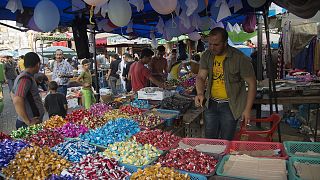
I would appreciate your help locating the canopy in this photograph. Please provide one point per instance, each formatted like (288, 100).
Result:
(50, 52)
(143, 21)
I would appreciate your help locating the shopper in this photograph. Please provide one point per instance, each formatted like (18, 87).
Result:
(158, 65)
(21, 64)
(85, 79)
(10, 71)
(174, 65)
(112, 76)
(55, 103)
(227, 70)
(62, 71)
(139, 75)
(129, 61)
(25, 93)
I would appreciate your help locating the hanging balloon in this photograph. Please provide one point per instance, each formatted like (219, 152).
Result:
(46, 16)
(163, 6)
(95, 2)
(32, 25)
(194, 36)
(256, 3)
(105, 25)
(119, 12)
(205, 23)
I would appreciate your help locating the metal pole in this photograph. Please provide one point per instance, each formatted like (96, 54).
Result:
(271, 70)
(42, 42)
(259, 58)
(95, 65)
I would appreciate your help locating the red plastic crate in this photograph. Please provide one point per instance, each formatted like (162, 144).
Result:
(254, 146)
(197, 141)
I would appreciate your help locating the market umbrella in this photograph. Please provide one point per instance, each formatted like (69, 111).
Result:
(8, 52)
(50, 52)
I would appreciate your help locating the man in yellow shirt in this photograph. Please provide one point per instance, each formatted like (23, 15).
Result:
(227, 70)
(21, 64)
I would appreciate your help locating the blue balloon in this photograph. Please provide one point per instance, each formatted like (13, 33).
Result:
(46, 16)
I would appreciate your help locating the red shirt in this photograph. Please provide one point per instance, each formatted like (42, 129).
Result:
(139, 76)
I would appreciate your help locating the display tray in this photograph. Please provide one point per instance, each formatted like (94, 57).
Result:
(167, 115)
(254, 146)
(292, 173)
(153, 127)
(291, 147)
(198, 175)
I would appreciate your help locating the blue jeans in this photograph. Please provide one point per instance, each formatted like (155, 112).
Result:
(219, 121)
(113, 85)
(10, 84)
(62, 89)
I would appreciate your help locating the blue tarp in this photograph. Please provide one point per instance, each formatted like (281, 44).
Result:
(144, 21)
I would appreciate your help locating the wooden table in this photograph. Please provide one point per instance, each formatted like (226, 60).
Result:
(296, 100)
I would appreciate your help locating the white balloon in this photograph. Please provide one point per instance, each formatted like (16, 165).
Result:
(94, 2)
(163, 6)
(119, 12)
(256, 3)
(46, 16)
(194, 36)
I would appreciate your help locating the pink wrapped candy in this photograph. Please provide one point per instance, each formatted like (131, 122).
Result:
(99, 109)
(72, 130)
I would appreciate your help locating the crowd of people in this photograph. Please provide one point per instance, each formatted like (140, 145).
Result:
(222, 73)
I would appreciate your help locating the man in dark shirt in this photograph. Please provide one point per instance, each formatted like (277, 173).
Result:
(112, 75)
(55, 103)
(129, 61)
(10, 71)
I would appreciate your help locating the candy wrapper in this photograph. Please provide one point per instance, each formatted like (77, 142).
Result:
(93, 122)
(60, 177)
(156, 172)
(130, 110)
(54, 122)
(140, 103)
(98, 167)
(131, 152)
(70, 130)
(4, 136)
(114, 114)
(46, 137)
(99, 109)
(26, 132)
(161, 139)
(189, 160)
(148, 120)
(35, 163)
(77, 115)
(8, 150)
(114, 131)
(74, 150)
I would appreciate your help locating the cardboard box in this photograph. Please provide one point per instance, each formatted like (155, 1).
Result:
(157, 95)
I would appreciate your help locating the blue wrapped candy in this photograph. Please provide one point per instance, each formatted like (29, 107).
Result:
(140, 103)
(74, 150)
(61, 177)
(8, 150)
(114, 131)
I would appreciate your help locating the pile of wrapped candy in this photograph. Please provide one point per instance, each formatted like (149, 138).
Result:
(113, 131)
(189, 160)
(54, 122)
(26, 132)
(161, 139)
(98, 167)
(77, 115)
(148, 120)
(99, 109)
(70, 130)
(35, 163)
(131, 152)
(156, 172)
(8, 150)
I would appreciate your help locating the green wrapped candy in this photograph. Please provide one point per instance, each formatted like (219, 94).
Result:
(26, 132)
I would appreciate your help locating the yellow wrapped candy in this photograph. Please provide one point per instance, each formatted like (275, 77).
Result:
(156, 172)
(54, 122)
(35, 163)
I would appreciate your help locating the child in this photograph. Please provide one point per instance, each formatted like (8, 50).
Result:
(86, 79)
(55, 103)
